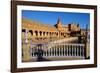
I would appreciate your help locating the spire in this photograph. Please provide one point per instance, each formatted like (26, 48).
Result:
(58, 22)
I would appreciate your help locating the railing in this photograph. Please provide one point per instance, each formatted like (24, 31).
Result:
(57, 50)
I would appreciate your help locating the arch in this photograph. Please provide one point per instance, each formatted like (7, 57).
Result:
(47, 33)
(40, 33)
(36, 33)
(31, 32)
(57, 33)
(62, 34)
(50, 33)
(23, 30)
(44, 33)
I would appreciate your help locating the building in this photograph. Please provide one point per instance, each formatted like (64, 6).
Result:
(36, 31)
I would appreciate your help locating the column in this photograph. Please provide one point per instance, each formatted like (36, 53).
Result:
(60, 50)
(42, 34)
(32, 51)
(67, 50)
(77, 50)
(63, 50)
(43, 53)
(50, 51)
(55, 50)
(46, 53)
(83, 51)
(80, 50)
(72, 50)
(43, 50)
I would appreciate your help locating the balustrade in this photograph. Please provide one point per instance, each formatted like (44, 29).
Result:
(76, 50)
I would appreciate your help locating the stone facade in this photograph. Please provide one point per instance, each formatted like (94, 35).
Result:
(45, 33)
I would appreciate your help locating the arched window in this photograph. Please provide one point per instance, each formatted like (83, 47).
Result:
(61, 33)
(40, 33)
(36, 32)
(43, 33)
(47, 33)
(23, 30)
(57, 33)
(31, 32)
(50, 33)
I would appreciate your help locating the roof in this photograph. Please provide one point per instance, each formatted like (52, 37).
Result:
(32, 22)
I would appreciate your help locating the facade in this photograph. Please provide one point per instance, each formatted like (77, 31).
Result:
(45, 33)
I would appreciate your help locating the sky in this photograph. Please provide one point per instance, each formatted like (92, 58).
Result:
(48, 17)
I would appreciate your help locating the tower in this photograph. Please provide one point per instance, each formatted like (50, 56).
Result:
(59, 24)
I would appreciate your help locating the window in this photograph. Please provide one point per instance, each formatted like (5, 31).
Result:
(36, 32)
(40, 33)
(31, 32)
(57, 34)
(23, 30)
(47, 33)
(43, 33)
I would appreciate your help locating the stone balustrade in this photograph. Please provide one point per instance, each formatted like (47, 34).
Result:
(58, 50)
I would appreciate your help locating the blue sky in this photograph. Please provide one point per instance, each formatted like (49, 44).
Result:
(51, 17)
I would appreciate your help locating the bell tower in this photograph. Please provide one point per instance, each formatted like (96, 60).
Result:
(59, 24)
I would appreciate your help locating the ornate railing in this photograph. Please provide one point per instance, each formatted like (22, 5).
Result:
(57, 50)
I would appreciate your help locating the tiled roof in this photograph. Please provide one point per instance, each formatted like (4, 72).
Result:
(28, 21)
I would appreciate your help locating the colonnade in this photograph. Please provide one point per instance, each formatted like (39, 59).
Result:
(40, 32)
